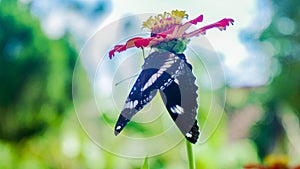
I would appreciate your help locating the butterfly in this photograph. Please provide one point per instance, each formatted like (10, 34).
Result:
(171, 75)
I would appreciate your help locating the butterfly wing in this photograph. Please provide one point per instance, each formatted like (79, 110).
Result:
(153, 76)
(180, 99)
(136, 99)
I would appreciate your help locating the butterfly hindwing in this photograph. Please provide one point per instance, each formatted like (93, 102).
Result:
(180, 98)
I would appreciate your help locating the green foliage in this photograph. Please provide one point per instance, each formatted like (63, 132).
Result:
(35, 74)
(145, 165)
(283, 34)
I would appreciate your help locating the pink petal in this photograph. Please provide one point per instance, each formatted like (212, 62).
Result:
(143, 42)
(148, 42)
(119, 48)
(196, 20)
(221, 25)
(179, 30)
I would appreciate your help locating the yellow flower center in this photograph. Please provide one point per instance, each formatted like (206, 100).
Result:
(165, 21)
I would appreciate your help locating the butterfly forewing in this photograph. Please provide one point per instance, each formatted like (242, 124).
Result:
(152, 77)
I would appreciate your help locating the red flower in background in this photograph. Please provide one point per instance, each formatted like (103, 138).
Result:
(273, 162)
(168, 26)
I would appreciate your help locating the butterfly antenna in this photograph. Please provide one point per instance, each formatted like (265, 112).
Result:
(116, 84)
(143, 53)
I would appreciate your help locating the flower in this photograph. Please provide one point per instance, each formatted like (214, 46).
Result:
(168, 27)
(273, 162)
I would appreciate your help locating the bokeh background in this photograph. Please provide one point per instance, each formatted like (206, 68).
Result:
(40, 42)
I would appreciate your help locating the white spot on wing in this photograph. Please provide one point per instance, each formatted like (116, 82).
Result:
(173, 110)
(118, 128)
(135, 103)
(189, 135)
(155, 76)
(131, 104)
(176, 81)
(177, 109)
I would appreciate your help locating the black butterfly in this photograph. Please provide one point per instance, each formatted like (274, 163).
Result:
(172, 76)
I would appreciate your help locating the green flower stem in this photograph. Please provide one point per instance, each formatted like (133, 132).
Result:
(191, 160)
(146, 163)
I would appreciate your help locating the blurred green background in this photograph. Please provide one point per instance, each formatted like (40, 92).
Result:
(39, 129)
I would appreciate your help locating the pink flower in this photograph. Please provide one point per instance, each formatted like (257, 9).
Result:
(168, 26)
